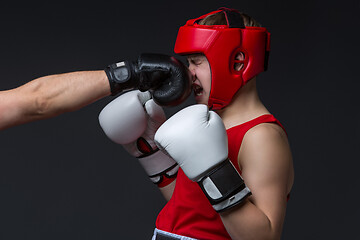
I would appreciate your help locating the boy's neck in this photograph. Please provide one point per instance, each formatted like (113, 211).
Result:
(245, 105)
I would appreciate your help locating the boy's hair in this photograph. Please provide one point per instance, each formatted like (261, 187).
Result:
(220, 19)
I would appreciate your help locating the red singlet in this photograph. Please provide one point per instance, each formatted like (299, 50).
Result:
(189, 213)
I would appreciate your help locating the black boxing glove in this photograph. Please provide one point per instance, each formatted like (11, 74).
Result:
(167, 78)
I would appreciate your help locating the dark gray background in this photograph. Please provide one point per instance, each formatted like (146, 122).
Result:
(63, 179)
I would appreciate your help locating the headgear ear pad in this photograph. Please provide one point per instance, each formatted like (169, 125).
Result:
(220, 44)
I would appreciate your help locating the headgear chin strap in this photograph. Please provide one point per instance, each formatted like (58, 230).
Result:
(220, 44)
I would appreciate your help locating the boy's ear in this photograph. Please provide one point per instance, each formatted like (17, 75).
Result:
(239, 65)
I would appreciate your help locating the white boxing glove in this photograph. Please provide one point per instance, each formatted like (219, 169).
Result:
(196, 139)
(132, 120)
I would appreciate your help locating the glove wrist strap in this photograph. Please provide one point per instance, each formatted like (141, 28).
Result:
(121, 77)
(224, 187)
(161, 168)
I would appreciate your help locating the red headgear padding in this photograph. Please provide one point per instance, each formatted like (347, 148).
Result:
(220, 44)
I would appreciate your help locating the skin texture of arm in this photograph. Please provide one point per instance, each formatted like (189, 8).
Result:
(266, 164)
(50, 96)
(168, 190)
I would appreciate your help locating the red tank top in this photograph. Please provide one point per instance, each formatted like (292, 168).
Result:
(188, 212)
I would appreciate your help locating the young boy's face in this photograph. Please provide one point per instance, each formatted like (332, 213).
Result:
(200, 69)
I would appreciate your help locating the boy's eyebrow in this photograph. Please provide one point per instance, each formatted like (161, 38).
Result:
(194, 56)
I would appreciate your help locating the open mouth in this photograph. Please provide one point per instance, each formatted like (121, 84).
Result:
(198, 90)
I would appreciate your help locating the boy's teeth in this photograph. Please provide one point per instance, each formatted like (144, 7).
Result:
(197, 90)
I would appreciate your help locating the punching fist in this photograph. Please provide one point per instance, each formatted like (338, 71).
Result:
(196, 139)
(167, 78)
(132, 120)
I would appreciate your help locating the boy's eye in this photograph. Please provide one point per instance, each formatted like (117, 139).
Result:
(196, 61)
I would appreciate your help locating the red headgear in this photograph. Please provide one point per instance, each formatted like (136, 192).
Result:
(220, 44)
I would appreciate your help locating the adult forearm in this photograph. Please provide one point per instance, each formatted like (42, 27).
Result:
(55, 94)
(50, 96)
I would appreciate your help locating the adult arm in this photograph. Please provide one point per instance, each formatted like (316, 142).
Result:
(50, 96)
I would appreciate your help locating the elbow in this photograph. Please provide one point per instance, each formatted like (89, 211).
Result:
(39, 100)
(270, 231)
(41, 106)
(255, 227)
(260, 235)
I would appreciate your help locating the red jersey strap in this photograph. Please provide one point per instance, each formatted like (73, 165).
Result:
(237, 133)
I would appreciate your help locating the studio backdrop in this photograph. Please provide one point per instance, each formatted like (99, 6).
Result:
(62, 178)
